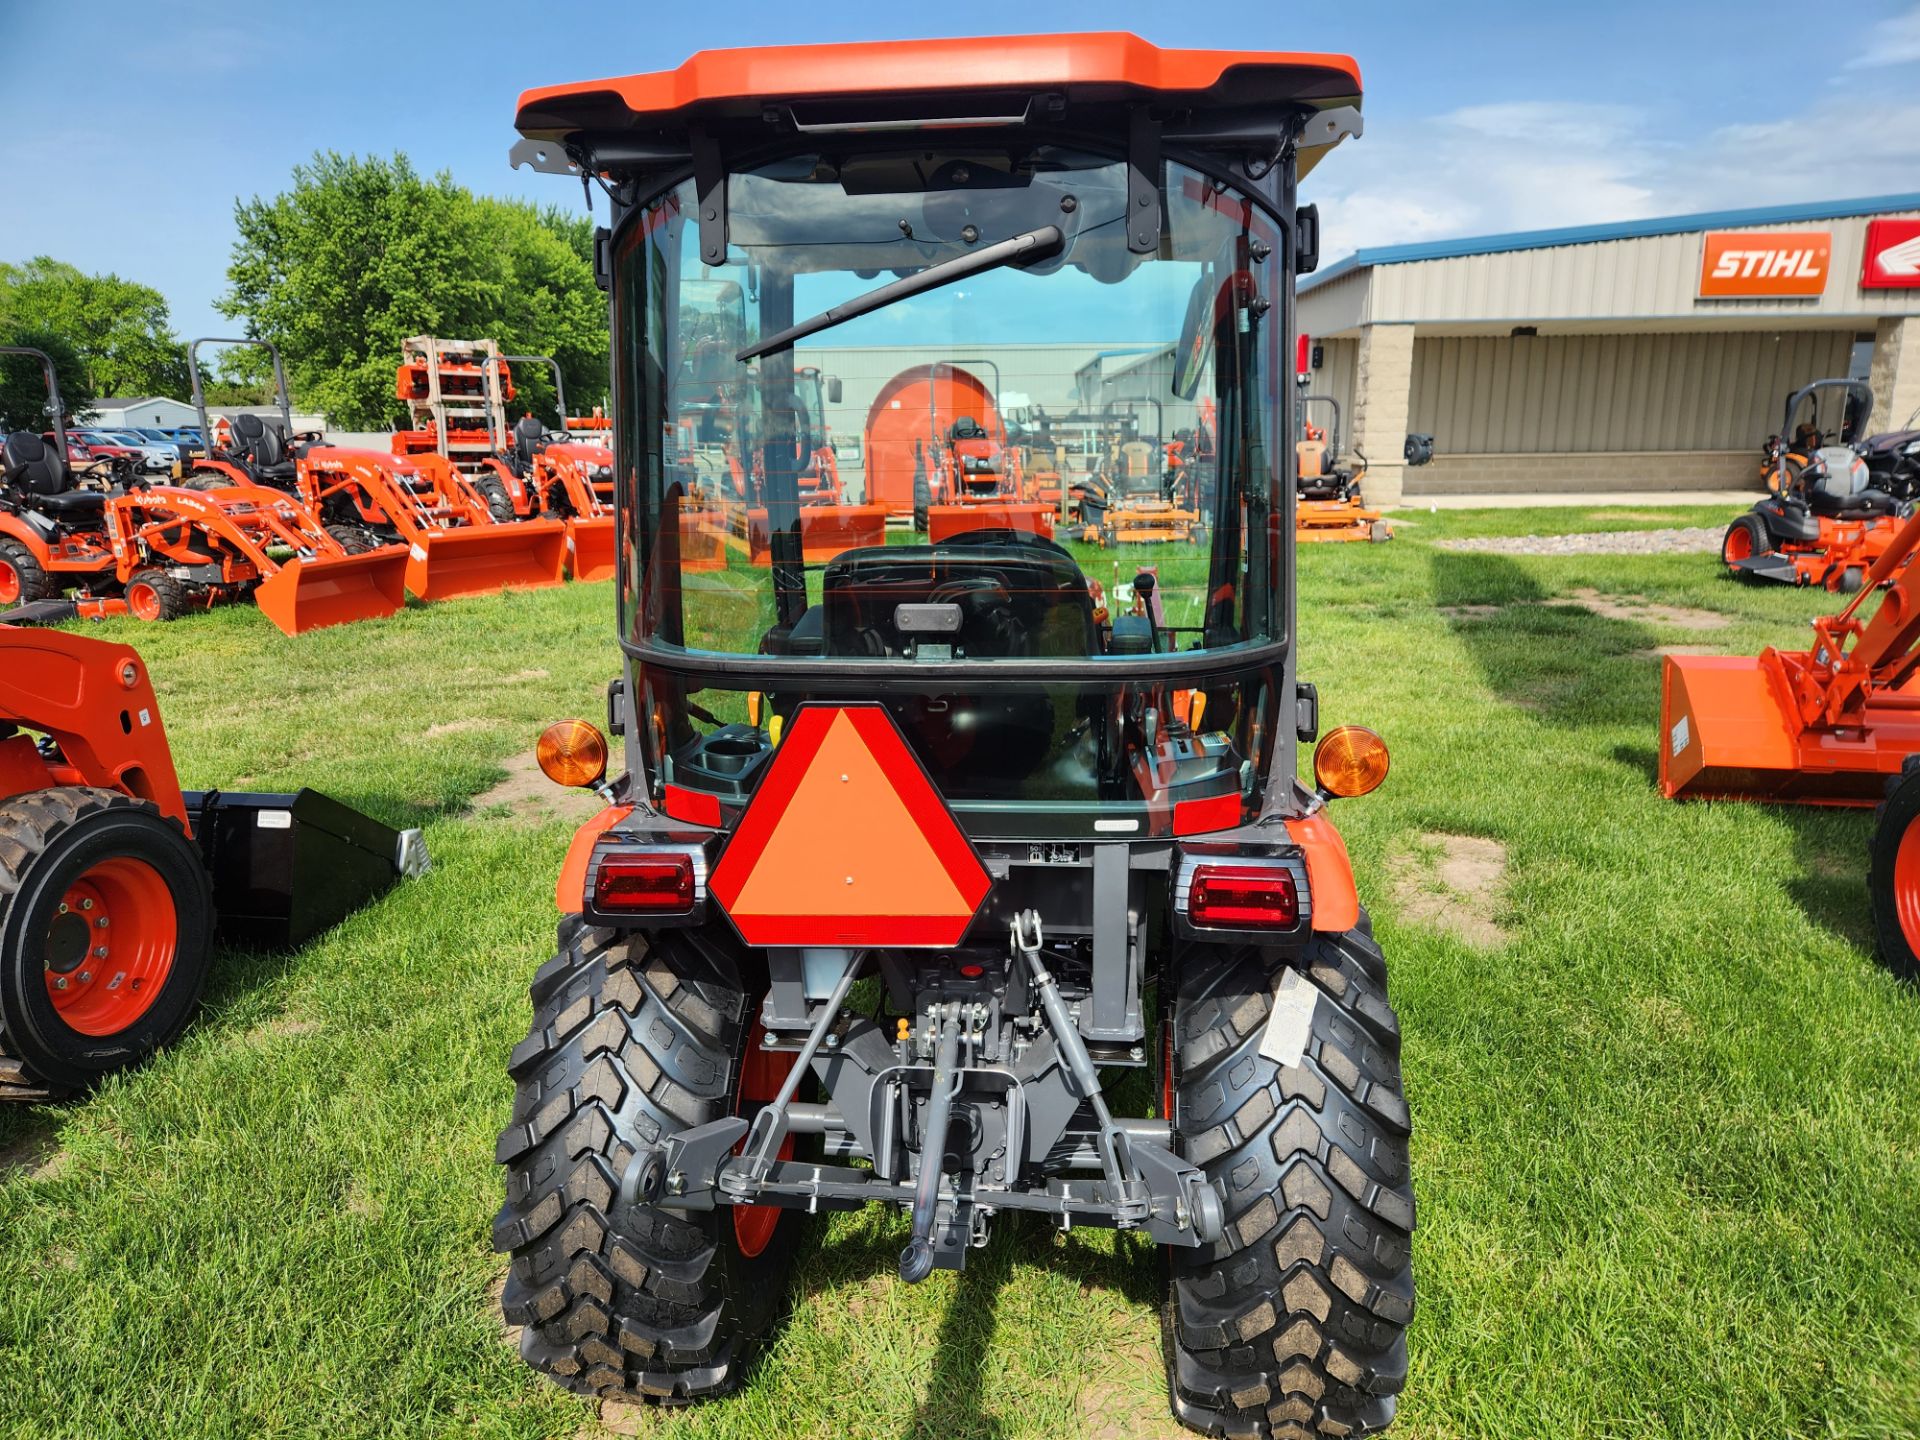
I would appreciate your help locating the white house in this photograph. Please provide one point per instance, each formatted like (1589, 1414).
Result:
(119, 412)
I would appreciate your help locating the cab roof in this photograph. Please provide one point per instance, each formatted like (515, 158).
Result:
(719, 84)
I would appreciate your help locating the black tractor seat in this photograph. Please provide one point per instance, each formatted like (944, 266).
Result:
(43, 478)
(261, 450)
(1861, 505)
(529, 439)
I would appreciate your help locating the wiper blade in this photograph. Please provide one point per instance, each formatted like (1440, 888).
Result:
(1022, 249)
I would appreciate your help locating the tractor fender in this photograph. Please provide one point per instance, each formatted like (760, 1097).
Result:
(1336, 901)
(34, 531)
(570, 892)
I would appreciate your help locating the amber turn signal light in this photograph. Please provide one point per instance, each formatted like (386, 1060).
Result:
(572, 753)
(1350, 760)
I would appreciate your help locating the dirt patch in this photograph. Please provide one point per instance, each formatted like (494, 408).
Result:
(455, 727)
(495, 1292)
(283, 1027)
(1469, 612)
(1647, 612)
(1454, 883)
(1659, 650)
(533, 799)
(520, 675)
(1129, 1408)
(1691, 540)
(35, 1156)
(619, 1418)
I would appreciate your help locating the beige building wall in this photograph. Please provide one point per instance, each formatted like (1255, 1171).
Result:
(1575, 394)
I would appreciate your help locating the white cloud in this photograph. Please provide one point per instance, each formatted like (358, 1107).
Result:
(1893, 41)
(1487, 169)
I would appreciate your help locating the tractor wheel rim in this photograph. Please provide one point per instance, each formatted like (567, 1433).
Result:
(144, 602)
(10, 584)
(110, 946)
(762, 1073)
(1739, 545)
(1906, 886)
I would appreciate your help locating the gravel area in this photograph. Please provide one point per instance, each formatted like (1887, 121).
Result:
(1693, 540)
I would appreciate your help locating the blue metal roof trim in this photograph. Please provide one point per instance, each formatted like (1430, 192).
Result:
(1622, 230)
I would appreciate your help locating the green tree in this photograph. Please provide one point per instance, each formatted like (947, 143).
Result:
(119, 330)
(23, 386)
(363, 253)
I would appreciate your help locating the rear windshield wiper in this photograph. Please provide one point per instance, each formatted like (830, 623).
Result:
(1022, 249)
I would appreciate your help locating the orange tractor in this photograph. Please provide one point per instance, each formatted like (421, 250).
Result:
(159, 551)
(448, 540)
(1112, 966)
(114, 882)
(1824, 522)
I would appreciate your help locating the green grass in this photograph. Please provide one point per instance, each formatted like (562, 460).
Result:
(1667, 1145)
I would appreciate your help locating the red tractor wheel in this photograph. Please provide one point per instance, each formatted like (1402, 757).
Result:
(1893, 873)
(155, 595)
(762, 1073)
(22, 581)
(106, 930)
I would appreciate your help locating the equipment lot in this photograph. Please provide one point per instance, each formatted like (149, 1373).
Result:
(1667, 1151)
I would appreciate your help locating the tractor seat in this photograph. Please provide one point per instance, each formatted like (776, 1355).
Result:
(529, 439)
(262, 448)
(72, 502)
(966, 428)
(1861, 505)
(33, 467)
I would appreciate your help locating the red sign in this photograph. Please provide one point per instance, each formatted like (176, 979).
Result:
(846, 842)
(1892, 259)
(1768, 264)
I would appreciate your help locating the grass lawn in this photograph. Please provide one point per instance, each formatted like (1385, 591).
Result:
(1667, 1133)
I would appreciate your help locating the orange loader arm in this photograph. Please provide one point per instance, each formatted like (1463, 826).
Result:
(93, 698)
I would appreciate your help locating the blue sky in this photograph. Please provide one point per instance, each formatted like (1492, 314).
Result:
(125, 143)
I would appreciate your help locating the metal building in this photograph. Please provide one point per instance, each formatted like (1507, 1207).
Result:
(1646, 356)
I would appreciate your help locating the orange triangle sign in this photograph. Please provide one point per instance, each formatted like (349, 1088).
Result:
(846, 842)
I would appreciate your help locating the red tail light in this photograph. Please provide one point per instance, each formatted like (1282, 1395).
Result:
(1303, 354)
(1242, 897)
(643, 884)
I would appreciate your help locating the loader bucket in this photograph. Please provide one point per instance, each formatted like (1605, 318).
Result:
(591, 544)
(1728, 731)
(305, 595)
(286, 867)
(479, 559)
(825, 531)
(944, 522)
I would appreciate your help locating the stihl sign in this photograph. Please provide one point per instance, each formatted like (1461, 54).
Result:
(1892, 260)
(1767, 265)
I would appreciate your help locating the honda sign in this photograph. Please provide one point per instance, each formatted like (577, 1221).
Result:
(1892, 258)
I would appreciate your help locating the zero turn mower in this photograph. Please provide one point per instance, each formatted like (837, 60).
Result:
(367, 500)
(1066, 847)
(114, 882)
(1824, 522)
(1147, 490)
(1330, 506)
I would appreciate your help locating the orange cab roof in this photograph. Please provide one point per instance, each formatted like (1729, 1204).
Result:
(1098, 66)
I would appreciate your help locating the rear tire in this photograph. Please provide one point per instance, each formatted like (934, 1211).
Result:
(22, 581)
(633, 1037)
(156, 595)
(1746, 537)
(1294, 1323)
(493, 490)
(354, 539)
(208, 480)
(1893, 873)
(130, 863)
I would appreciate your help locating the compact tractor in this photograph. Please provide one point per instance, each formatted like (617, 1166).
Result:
(1060, 851)
(424, 507)
(124, 546)
(1824, 522)
(115, 883)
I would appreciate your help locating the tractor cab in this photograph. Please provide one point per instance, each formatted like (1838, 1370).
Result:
(1040, 784)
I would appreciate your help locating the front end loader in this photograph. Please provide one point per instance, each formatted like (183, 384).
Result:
(1066, 848)
(115, 884)
(422, 508)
